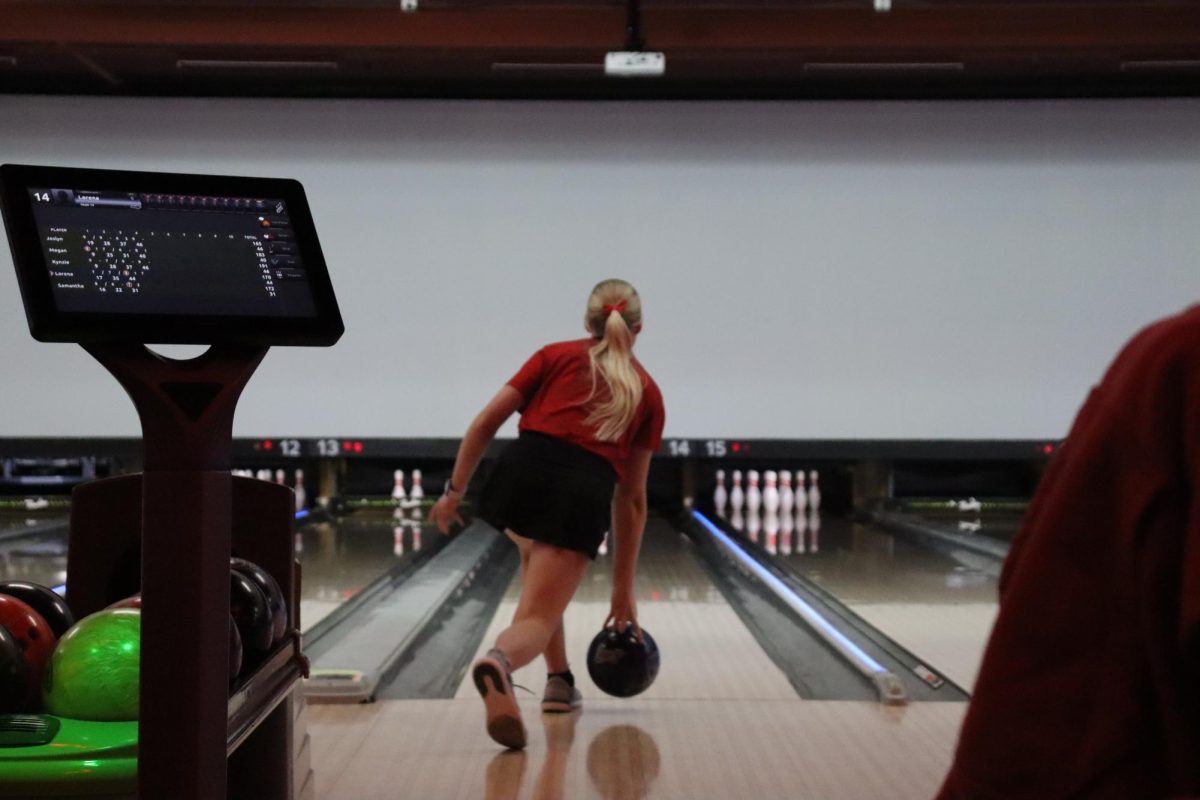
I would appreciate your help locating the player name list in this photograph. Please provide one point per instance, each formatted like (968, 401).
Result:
(106, 261)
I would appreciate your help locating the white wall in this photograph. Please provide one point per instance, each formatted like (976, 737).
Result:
(809, 270)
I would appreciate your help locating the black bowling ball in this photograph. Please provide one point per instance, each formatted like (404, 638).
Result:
(619, 664)
(235, 650)
(270, 587)
(252, 614)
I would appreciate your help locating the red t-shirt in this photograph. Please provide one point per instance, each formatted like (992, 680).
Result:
(556, 382)
(1090, 684)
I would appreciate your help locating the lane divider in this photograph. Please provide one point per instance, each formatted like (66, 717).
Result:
(891, 691)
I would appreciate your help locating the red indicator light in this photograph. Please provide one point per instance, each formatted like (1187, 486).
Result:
(267, 445)
(655, 595)
(735, 447)
(346, 446)
(1048, 449)
(358, 447)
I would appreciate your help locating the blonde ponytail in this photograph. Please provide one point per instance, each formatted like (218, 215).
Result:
(613, 311)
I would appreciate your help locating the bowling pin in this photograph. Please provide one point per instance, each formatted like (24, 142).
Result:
(753, 493)
(720, 495)
(604, 545)
(301, 495)
(814, 491)
(737, 498)
(418, 492)
(280, 477)
(801, 492)
(398, 492)
(787, 525)
(753, 525)
(814, 530)
(398, 541)
(264, 475)
(787, 498)
(416, 539)
(770, 495)
(801, 531)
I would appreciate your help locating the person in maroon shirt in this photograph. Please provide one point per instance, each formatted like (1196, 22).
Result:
(591, 417)
(1089, 685)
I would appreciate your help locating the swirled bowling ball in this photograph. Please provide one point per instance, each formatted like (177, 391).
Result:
(93, 674)
(621, 665)
(270, 587)
(36, 640)
(44, 601)
(14, 674)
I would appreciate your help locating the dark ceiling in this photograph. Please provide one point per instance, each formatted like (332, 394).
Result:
(536, 48)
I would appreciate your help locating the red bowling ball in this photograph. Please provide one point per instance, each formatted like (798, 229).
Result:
(14, 675)
(35, 639)
(44, 601)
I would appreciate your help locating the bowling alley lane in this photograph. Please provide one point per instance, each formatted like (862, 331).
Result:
(939, 604)
(721, 720)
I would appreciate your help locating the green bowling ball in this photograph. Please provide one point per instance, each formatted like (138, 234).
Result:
(93, 674)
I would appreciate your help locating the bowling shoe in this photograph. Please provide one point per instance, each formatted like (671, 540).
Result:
(560, 697)
(494, 682)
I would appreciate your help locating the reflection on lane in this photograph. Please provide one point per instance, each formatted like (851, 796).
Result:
(939, 606)
(340, 557)
(999, 525)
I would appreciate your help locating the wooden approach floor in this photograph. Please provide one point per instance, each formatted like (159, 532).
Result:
(720, 722)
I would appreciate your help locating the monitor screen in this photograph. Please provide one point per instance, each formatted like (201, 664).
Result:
(159, 257)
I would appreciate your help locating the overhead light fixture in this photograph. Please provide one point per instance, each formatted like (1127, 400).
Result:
(635, 64)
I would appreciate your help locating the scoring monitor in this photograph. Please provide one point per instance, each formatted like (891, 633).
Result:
(107, 255)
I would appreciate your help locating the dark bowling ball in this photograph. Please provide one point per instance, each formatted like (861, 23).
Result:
(235, 650)
(44, 601)
(14, 675)
(619, 664)
(252, 615)
(35, 638)
(275, 598)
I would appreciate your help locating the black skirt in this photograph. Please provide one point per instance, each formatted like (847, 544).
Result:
(552, 491)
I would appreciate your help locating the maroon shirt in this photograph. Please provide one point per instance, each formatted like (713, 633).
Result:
(556, 383)
(1090, 684)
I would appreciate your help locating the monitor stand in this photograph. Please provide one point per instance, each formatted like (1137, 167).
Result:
(186, 409)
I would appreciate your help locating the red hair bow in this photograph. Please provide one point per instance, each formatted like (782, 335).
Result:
(619, 307)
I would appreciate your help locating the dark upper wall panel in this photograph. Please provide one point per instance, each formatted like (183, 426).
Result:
(754, 49)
